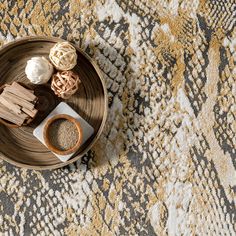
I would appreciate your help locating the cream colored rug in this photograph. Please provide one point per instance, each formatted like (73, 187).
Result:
(165, 164)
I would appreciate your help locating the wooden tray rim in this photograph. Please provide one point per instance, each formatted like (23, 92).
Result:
(99, 132)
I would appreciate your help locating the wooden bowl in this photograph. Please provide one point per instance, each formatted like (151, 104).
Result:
(19, 146)
(10, 124)
(47, 139)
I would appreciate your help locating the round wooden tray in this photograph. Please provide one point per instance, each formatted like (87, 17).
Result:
(18, 146)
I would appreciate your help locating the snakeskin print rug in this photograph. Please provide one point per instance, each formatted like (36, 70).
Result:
(165, 164)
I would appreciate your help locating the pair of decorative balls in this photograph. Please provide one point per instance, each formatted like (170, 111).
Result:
(63, 57)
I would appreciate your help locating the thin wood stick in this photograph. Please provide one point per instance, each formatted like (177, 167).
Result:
(31, 113)
(10, 105)
(18, 100)
(20, 93)
(23, 90)
(10, 116)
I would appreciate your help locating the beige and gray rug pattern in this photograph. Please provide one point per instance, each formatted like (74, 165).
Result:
(165, 164)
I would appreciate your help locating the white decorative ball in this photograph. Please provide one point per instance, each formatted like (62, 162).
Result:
(38, 70)
(63, 56)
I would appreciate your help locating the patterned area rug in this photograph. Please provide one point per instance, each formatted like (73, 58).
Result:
(165, 164)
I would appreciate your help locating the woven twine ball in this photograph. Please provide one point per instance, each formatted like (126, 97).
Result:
(65, 83)
(63, 56)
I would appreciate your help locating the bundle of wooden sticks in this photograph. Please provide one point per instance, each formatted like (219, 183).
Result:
(17, 104)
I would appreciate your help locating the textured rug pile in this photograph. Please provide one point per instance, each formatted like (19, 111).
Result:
(166, 161)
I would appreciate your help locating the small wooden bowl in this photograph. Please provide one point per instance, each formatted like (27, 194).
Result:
(46, 134)
(8, 123)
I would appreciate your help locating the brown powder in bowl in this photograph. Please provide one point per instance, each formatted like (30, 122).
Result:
(63, 134)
